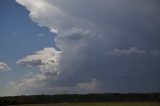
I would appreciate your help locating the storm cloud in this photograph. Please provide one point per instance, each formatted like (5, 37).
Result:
(91, 34)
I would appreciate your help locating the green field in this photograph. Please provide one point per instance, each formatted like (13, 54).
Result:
(98, 104)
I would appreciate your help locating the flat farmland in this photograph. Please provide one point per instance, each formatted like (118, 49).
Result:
(99, 104)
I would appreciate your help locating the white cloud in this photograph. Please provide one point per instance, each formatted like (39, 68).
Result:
(130, 51)
(4, 66)
(46, 59)
(45, 13)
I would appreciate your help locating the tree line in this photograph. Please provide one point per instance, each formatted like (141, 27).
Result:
(77, 98)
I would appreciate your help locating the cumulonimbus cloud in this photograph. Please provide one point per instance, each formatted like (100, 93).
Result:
(86, 31)
(70, 30)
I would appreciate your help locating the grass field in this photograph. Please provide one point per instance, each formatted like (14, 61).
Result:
(98, 104)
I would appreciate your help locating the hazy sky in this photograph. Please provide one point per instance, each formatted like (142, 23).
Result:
(79, 46)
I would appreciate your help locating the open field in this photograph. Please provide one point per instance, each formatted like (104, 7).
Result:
(99, 104)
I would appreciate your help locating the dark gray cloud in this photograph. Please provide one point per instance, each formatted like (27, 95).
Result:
(92, 33)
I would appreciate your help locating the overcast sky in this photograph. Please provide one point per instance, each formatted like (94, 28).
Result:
(79, 46)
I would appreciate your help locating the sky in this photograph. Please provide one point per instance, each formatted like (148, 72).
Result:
(98, 46)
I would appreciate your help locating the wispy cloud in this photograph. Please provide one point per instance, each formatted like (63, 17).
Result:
(4, 66)
(40, 34)
(130, 51)
(155, 52)
(134, 51)
(15, 34)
